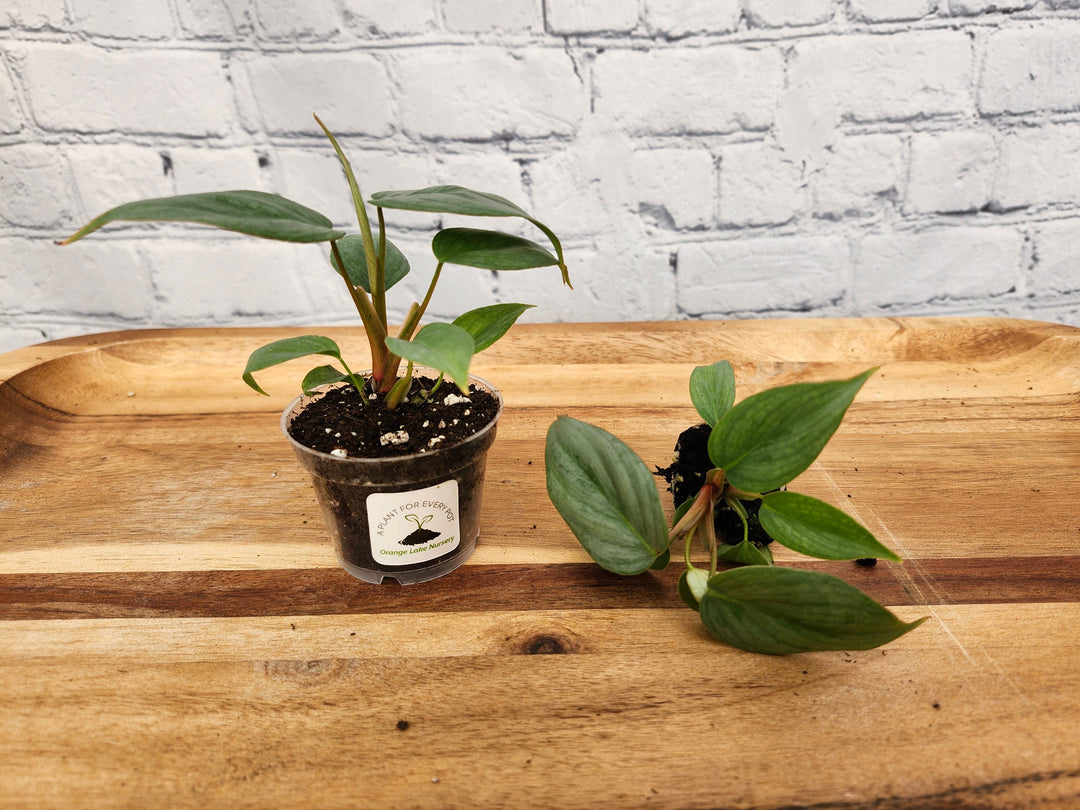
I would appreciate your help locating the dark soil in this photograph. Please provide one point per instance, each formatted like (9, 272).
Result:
(340, 420)
(686, 475)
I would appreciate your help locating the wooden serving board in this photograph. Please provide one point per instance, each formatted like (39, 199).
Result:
(176, 633)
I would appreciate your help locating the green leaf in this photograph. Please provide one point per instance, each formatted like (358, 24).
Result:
(281, 351)
(488, 324)
(606, 495)
(441, 346)
(745, 553)
(712, 390)
(777, 611)
(815, 528)
(465, 201)
(692, 585)
(489, 250)
(449, 200)
(252, 212)
(354, 254)
(321, 375)
(661, 562)
(768, 439)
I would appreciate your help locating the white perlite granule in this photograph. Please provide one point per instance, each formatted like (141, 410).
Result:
(395, 437)
(339, 452)
(454, 399)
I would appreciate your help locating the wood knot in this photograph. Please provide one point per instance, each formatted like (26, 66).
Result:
(546, 645)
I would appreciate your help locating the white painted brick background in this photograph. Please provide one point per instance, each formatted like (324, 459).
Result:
(701, 158)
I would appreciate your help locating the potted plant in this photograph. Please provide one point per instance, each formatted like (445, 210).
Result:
(396, 454)
(732, 472)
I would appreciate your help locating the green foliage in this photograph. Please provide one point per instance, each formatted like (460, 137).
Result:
(370, 265)
(773, 436)
(606, 495)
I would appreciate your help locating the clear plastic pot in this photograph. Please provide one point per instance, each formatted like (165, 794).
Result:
(407, 518)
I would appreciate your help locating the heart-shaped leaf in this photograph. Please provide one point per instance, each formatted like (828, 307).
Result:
(768, 439)
(815, 528)
(281, 351)
(712, 390)
(255, 213)
(692, 585)
(606, 495)
(489, 250)
(488, 324)
(442, 346)
(354, 254)
(321, 375)
(778, 611)
(745, 553)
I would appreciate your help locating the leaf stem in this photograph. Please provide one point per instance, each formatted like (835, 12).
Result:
(376, 332)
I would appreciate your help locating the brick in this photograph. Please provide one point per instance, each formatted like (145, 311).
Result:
(585, 17)
(588, 189)
(379, 18)
(673, 92)
(1038, 167)
(287, 89)
(129, 19)
(1057, 258)
(529, 93)
(1031, 68)
(772, 13)
(794, 274)
(941, 264)
(94, 277)
(973, 7)
(759, 185)
(76, 87)
(491, 170)
(109, 175)
(289, 20)
(314, 178)
(885, 77)
(676, 188)
(197, 169)
(216, 19)
(950, 172)
(33, 14)
(17, 336)
(225, 277)
(482, 16)
(864, 171)
(11, 119)
(615, 281)
(680, 18)
(35, 187)
(889, 10)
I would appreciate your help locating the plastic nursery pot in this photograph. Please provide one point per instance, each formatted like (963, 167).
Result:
(408, 518)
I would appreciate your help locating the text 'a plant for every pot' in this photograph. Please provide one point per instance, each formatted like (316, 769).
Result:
(404, 502)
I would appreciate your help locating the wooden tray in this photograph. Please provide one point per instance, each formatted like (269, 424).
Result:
(176, 631)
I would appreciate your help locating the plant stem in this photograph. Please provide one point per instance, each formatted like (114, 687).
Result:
(376, 332)
(378, 279)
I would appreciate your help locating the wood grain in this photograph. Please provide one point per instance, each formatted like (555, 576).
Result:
(176, 632)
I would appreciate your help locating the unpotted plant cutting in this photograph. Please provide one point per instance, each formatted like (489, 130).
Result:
(396, 454)
(751, 451)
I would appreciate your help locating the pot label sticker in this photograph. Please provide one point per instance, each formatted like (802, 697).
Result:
(415, 526)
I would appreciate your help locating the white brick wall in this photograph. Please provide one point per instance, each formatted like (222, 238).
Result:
(701, 158)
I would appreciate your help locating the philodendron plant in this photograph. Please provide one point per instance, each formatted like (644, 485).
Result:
(608, 498)
(370, 264)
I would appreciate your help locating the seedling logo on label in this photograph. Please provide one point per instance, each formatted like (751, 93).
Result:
(414, 526)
